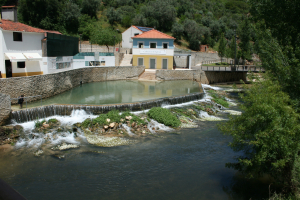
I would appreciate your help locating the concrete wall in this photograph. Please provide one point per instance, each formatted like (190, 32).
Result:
(51, 84)
(200, 76)
(198, 57)
(5, 108)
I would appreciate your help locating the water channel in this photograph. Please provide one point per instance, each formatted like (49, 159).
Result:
(178, 164)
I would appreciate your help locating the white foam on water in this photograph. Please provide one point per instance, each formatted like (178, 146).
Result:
(233, 112)
(140, 112)
(204, 116)
(211, 87)
(128, 130)
(157, 126)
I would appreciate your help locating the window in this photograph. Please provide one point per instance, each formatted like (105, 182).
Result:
(17, 36)
(165, 45)
(141, 45)
(165, 63)
(153, 45)
(136, 34)
(102, 63)
(21, 65)
(140, 61)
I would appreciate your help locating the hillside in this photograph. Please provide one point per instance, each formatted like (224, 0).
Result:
(191, 22)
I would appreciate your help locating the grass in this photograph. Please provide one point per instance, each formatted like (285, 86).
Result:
(39, 124)
(217, 64)
(218, 98)
(164, 116)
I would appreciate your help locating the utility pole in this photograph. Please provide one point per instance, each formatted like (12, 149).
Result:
(120, 42)
(235, 49)
(80, 41)
(114, 43)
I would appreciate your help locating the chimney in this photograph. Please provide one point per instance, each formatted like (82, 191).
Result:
(10, 13)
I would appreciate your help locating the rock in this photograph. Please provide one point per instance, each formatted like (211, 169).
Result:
(153, 128)
(46, 125)
(18, 127)
(108, 120)
(143, 132)
(116, 126)
(128, 117)
(105, 127)
(59, 156)
(112, 125)
(121, 120)
(133, 124)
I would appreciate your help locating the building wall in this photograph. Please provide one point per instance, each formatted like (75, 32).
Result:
(51, 84)
(126, 37)
(200, 76)
(144, 51)
(5, 108)
(31, 43)
(82, 63)
(159, 43)
(147, 61)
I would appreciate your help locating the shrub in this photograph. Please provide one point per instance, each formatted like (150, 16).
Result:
(52, 120)
(164, 116)
(38, 124)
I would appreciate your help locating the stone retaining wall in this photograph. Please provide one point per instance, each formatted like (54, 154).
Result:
(5, 109)
(52, 84)
(200, 76)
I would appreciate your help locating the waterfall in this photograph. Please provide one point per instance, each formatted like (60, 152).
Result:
(32, 114)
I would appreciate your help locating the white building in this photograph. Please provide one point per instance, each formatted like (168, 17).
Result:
(131, 32)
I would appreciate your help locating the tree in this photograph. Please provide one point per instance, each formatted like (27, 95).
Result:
(90, 7)
(72, 14)
(222, 47)
(268, 133)
(245, 37)
(105, 37)
(177, 31)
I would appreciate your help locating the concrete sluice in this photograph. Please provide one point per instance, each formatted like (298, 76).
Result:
(32, 114)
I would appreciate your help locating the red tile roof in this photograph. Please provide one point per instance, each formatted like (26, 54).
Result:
(155, 34)
(17, 26)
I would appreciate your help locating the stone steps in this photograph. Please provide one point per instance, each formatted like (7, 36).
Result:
(148, 76)
(127, 60)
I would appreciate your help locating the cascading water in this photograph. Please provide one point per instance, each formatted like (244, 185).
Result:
(65, 110)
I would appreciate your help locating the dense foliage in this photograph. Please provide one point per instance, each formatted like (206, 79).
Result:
(193, 22)
(164, 116)
(268, 130)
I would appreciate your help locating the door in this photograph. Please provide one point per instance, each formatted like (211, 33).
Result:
(8, 68)
(165, 63)
(152, 63)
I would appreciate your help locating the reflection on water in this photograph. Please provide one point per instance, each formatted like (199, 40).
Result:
(112, 92)
(189, 165)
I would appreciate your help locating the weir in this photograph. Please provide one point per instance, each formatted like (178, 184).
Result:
(42, 112)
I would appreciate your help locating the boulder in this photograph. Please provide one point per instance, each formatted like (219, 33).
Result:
(46, 125)
(112, 125)
(105, 127)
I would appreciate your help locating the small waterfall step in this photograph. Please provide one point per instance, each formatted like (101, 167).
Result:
(148, 75)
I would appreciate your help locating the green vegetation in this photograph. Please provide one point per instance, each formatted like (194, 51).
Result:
(112, 116)
(39, 124)
(192, 22)
(135, 118)
(164, 116)
(218, 98)
(52, 120)
(268, 130)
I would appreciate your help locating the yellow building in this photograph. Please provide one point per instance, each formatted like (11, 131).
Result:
(153, 49)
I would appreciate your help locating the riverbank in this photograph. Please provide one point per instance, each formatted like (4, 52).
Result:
(105, 129)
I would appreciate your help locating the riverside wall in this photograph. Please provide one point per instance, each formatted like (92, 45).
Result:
(52, 84)
(200, 76)
(5, 108)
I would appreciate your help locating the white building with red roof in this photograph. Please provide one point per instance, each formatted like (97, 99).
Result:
(24, 50)
(130, 32)
(153, 49)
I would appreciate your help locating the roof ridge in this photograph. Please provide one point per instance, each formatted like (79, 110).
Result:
(166, 36)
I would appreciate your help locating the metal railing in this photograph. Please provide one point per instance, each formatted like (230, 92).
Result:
(25, 98)
(244, 68)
